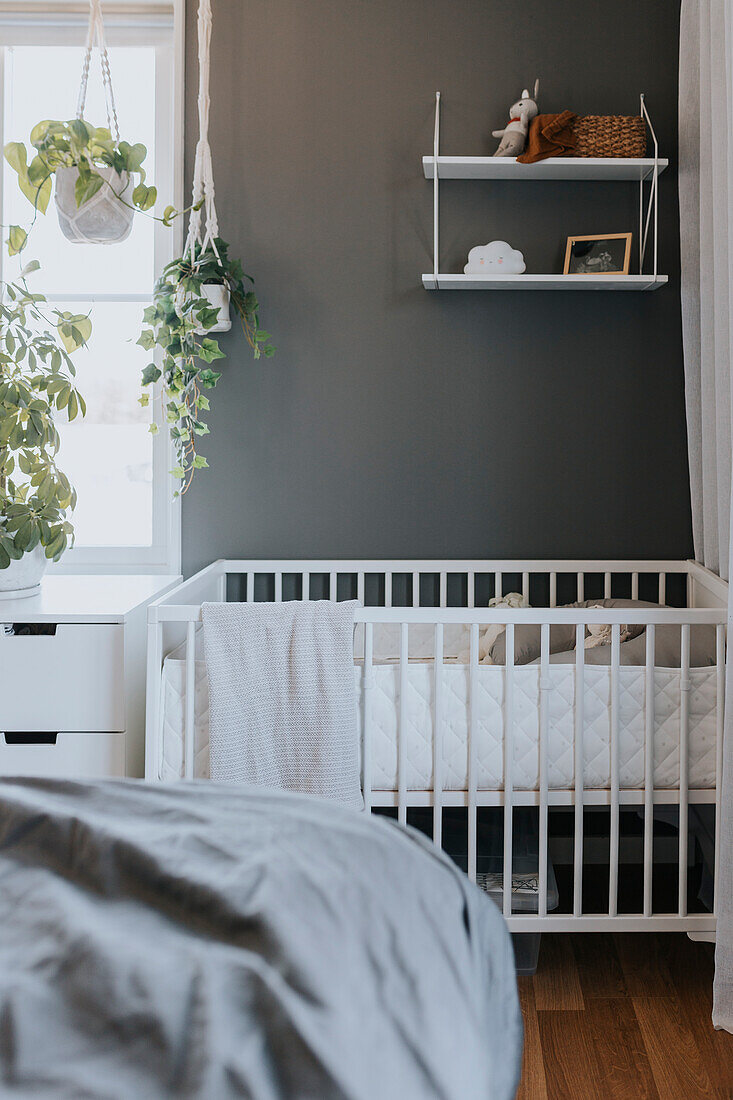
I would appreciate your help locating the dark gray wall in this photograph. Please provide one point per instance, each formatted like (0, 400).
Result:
(399, 422)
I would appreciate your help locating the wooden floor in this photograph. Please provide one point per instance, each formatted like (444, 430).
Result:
(623, 1016)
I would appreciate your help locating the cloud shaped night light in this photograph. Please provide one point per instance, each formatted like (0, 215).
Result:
(495, 258)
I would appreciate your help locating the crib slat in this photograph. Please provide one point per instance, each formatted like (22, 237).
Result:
(387, 589)
(542, 750)
(305, 586)
(498, 585)
(415, 589)
(649, 729)
(607, 586)
(472, 737)
(360, 587)
(525, 585)
(553, 589)
(438, 738)
(613, 854)
(719, 715)
(443, 589)
(332, 585)
(508, 759)
(470, 589)
(402, 732)
(366, 755)
(578, 771)
(189, 749)
(635, 586)
(278, 587)
(663, 589)
(581, 587)
(684, 761)
(250, 588)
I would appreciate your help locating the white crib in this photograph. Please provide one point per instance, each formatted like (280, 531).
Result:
(555, 710)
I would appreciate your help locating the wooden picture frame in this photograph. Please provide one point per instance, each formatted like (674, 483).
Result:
(618, 266)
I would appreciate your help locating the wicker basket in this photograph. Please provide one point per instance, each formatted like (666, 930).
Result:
(610, 136)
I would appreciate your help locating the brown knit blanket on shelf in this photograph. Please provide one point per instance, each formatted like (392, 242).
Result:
(550, 136)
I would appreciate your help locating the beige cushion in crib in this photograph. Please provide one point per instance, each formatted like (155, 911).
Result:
(562, 637)
(666, 649)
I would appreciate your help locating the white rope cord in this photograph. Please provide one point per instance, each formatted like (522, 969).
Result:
(95, 33)
(203, 175)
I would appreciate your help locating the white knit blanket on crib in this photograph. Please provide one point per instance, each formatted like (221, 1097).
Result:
(281, 696)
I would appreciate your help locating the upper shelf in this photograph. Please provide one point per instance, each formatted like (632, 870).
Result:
(554, 168)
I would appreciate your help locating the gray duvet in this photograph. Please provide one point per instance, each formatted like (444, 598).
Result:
(202, 940)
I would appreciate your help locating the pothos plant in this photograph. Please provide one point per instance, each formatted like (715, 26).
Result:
(177, 326)
(37, 379)
(77, 144)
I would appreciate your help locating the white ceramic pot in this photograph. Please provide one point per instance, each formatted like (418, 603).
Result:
(23, 577)
(218, 297)
(102, 219)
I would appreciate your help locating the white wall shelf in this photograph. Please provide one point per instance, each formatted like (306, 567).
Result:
(554, 168)
(640, 170)
(542, 282)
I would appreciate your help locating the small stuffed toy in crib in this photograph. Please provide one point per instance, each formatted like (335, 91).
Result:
(514, 135)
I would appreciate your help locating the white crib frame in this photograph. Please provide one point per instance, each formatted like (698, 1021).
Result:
(173, 619)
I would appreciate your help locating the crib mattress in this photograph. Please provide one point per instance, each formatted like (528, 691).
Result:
(489, 704)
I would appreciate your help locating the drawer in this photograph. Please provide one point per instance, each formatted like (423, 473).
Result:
(72, 756)
(71, 680)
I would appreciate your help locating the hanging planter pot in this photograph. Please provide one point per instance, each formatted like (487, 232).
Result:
(100, 179)
(102, 219)
(218, 297)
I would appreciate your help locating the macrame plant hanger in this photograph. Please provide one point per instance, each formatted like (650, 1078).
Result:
(203, 175)
(95, 36)
(204, 231)
(103, 218)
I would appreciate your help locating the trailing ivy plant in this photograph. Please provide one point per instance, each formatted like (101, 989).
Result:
(77, 144)
(177, 327)
(37, 380)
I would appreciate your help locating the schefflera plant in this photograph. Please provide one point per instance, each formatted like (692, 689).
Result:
(37, 381)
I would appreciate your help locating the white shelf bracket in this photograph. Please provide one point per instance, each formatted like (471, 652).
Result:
(652, 209)
(436, 149)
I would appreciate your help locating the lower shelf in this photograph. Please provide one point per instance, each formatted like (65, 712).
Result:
(543, 282)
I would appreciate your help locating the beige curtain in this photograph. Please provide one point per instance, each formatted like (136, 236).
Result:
(706, 238)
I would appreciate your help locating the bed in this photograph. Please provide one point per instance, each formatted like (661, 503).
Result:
(539, 717)
(218, 941)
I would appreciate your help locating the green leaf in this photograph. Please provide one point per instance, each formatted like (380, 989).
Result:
(199, 462)
(16, 240)
(74, 330)
(169, 214)
(30, 267)
(150, 374)
(86, 187)
(16, 156)
(144, 197)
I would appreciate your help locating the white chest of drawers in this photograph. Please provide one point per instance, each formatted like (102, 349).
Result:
(72, 677)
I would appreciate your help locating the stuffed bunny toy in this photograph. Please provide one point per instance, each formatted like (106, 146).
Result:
(514, 135)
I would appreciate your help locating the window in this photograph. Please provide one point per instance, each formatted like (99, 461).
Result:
(125, 519)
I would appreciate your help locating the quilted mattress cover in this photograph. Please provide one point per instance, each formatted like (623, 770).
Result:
(491, 685)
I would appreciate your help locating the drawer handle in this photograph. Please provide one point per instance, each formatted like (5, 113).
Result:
(27, 738)
(10, 630)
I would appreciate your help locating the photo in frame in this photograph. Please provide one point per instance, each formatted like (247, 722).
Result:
(603, 254)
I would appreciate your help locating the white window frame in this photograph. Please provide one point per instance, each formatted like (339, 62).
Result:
(58, 22)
